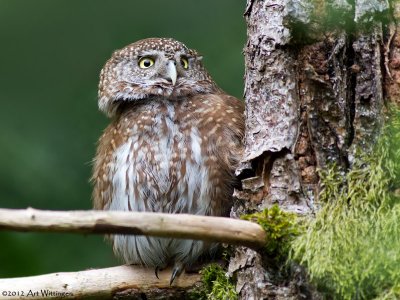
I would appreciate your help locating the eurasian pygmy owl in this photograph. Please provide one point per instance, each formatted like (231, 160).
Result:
(172, 146)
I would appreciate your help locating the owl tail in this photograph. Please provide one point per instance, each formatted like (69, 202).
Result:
(176, 271)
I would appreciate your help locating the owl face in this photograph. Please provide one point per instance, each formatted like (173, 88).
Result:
(152, 69)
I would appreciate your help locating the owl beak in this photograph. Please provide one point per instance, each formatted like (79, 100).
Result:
(171, 71)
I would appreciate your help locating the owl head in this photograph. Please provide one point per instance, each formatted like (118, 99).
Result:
(152, 68)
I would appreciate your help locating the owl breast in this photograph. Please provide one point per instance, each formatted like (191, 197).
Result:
(172, 157)
(163, 168)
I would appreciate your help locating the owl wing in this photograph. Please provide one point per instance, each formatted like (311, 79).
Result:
(102, 186)
(222, 126)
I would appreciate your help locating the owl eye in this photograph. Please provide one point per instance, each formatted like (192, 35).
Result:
(184, 63)
(146, 62)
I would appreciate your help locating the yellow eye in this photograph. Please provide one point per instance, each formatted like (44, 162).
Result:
(146, 62)
(184, 62)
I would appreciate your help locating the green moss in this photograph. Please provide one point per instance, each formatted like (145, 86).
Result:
(216, 285)
(352, 248)
(281, 228)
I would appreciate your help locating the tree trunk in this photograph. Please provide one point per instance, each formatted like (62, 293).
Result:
(314, 88)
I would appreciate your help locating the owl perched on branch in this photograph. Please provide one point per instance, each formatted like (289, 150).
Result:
(172, 146)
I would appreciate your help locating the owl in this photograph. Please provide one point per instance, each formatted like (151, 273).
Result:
(173, 144)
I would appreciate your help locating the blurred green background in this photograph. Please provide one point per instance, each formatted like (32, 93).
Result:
(51, 53)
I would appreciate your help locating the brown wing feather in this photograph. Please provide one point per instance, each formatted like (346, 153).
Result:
(102, 186)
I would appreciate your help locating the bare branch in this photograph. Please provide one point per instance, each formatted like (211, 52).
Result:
(217, 229)
(96, 284)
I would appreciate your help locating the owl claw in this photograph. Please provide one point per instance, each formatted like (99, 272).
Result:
(176, 271)
(156, 271)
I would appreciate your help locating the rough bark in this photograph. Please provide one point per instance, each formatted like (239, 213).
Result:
(311, 100)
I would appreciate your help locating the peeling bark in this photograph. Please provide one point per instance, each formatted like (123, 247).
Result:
(271, 92)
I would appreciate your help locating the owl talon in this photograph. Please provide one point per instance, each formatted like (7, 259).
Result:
(156, 271)
(176, 271)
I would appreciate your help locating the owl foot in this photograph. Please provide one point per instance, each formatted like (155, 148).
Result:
(176, 271)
